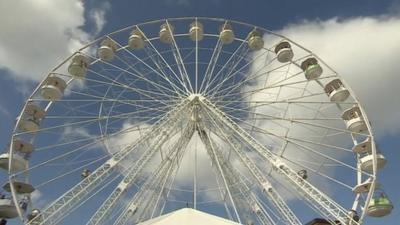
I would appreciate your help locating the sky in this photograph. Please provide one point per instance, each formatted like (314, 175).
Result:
(359, 39)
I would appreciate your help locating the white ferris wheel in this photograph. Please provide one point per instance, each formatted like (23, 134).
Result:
(219, 116)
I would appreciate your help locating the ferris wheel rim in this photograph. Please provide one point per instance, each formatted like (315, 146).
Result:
(373, 175)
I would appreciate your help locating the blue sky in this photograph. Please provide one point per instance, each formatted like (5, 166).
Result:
(36, 35)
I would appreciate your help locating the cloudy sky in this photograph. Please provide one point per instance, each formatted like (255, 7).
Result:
(359, 39)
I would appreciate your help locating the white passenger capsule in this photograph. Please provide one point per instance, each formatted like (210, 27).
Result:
(284, 52)
(256, 208)
(34, 213)
(79, 66)
(226, 34)
(53, 88)
(354, 120)
(312, 70)
(18, 162)
(166, 33)
(20, 187)
(255, 40)
(380, 205)
(7, 209)
(107, 49)
(365, 186)
(196, 31)
(31, 118)
(367, 162)
(336, 91)
(136, 40)
(363, 147)
(22, 146)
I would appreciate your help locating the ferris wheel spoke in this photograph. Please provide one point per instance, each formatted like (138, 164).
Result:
(94, 141)
(179, 59)
(270, 103)
(265, 116)
(86, 121)
(260, 103)
(249, 93)
(123, 101)
(303, 121)
(212, 64)
(140, 75)
(59, 126)
(142, 101)
(153, 48)
(141, 91)
(233, 72)
(127, 72)
(162, 75)
(84, 147)
(303, 147)
(196, 59)
(140, 110)
(74, 170)
(99, 99)
(318, 172)
(166, 69)
(262, 72)
(229, 65)
(92, 138)
(159, 85)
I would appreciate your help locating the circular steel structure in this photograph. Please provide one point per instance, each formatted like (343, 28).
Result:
(219, 115)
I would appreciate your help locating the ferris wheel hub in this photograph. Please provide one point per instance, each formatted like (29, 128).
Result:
(195, 97)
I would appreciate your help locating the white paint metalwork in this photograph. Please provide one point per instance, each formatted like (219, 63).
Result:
(263, 108)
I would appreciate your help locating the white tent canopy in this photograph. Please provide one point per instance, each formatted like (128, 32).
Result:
(188, 216)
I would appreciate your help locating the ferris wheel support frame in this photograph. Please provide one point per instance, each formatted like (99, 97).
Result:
(130, 177)
(212, 154)
(174, 155)
(327, 206)
(272, 195)
(70, 199)
(231, 176)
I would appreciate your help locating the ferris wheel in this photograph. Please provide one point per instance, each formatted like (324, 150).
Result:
(211, 114)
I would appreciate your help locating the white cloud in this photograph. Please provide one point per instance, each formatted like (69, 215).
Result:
(37, 199)
(365, 52)
(37, 35)
(98, 16)
(4, 111)
(129, 133)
